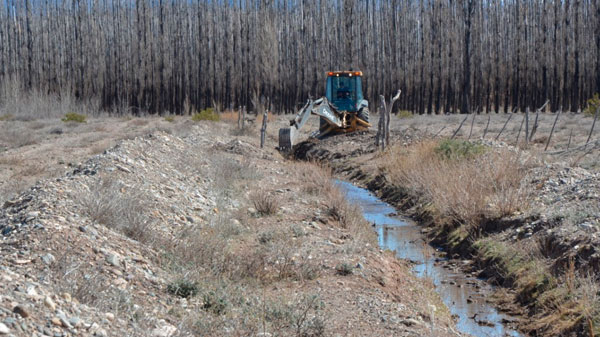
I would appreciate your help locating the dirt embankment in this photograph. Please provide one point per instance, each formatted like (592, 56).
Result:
(542, 246)
(201, 235)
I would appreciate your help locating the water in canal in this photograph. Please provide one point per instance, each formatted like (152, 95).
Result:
(462, 294)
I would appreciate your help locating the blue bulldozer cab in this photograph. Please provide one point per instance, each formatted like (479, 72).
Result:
(344, 90)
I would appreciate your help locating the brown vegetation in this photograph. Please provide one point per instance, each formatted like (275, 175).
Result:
(463, 188)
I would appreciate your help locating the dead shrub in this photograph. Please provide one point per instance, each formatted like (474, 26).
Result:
(88, 283)
(139, 121)
(247, 130)
(12, 160)
(228, 173)
(211, 251)
(316, 178)
(347, 215)
(344, 269)
(15, 135)
(25, 105)
(116, 206)
(264, 203)
(229, 116)
(467, 189)
(12, 188)
(574, 305)
(32, 170)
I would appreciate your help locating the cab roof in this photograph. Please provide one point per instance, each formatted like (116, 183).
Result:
(344, 73)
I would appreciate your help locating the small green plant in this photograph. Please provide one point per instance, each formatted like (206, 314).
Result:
(214, 303)
(206, 115)
(74, 117)
(7, 117)
(458, 149)
(344, 269)
(403, 114)
(183, 288)
(170, 119)
(298, 231)
(265, 237)
(593, 104)
(309, 271)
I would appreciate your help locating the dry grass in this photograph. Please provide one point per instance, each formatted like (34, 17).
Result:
(316, 178)
(229, 116)
(24, 106)
(318, 181)
(467, 189)
(116, 206)
(574, 305)
(17, 134)
(568, 303)
(264, 203)
(229, 309)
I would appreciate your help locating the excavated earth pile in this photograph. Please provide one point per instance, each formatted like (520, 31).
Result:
(202, 235)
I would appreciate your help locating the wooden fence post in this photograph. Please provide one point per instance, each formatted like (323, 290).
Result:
(527, 126)
(504, 127)
(535, 124)
(519, 133)
(593, 124)
(552, 130)
(472, 123)
(263, 129)
(381, 126)
(378, 135)
(486, 126)
(388, 118)
(570, 135)
(460, 126)
(437, 134)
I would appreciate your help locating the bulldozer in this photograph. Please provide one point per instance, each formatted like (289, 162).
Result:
(342, 110)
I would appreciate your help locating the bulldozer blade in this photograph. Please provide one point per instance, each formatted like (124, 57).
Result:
(286, 138)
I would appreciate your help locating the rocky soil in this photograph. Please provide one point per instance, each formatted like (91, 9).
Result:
(202, 235)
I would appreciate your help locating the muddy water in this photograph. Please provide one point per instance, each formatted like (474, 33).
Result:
(463, 294)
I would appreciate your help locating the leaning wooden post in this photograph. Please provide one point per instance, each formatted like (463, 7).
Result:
(535, 124)
(593, 124)
(472, 123)
(460, 126)
(378, 135)
(552, 130)
(527, 126)
(570, 135)
(504, 127)
(243, 116)
(437, 134)
(486, 126)
(381, 126)
(520, 128)
(263, 129)
(388, 118)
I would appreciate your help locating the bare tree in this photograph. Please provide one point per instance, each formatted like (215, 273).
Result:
(445, 55)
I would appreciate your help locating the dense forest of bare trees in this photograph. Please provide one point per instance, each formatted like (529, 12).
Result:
(445, 55)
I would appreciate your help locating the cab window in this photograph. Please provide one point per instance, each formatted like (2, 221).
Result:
(344, 88)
